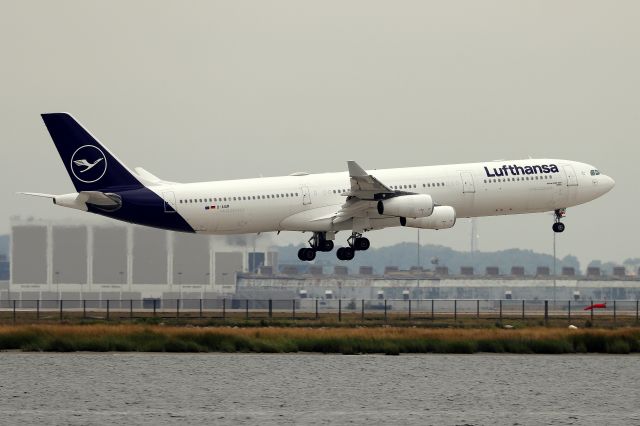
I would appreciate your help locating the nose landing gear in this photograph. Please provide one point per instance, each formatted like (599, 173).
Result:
(558, 226)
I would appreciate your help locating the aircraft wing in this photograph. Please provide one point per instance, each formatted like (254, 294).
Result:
(363, 185)
(363, 196)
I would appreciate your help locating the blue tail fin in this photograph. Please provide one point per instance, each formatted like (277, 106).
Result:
(90, 165)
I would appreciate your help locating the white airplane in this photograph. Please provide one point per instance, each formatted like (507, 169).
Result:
(324, 204)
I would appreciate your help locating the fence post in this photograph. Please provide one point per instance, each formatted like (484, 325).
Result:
(339, 310)
(130, 309)
(546, 311)
(432, 310)
(200, 307)
(84, 309)
(177, 308)
(224, 308)
(246, 309)
(385, 310)
(14, 311)
(317, 316)
(38, 309)
(61, 309)
(500, 309)
(409, 309)
(270, 308)
(637, 310)
(478, 308)
(455, 309)
(614, 311)
(154, 306)
(591, 311)
(107, 309)
(293, 308)
(362, 315)
(569, 310)
(522, 308)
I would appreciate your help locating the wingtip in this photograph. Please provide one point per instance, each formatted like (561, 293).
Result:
(355, 169)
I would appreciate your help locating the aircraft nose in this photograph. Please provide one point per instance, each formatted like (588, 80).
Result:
(608, 183)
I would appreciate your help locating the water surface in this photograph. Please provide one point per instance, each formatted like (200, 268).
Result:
(223, 389)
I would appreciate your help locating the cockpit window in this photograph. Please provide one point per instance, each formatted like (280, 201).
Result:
(595, 172)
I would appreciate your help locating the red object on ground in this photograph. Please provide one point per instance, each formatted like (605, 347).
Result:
(596, 306)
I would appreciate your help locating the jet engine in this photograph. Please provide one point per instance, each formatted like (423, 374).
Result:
(443, 217)
(414, 206)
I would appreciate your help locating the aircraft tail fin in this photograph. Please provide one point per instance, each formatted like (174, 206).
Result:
(90, 165)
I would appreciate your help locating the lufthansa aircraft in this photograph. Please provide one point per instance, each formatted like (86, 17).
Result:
(355, 201)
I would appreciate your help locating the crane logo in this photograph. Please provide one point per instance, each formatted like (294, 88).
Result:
(88, 164)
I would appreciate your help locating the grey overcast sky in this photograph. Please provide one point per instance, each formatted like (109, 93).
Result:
(207, 90)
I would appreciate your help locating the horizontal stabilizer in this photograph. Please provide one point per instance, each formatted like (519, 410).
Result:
(37, 194)
(100, 198)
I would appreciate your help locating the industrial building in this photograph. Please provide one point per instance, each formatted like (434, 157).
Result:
(106, 260)
(103, 260)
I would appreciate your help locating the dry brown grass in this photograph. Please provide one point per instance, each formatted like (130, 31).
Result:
(328, 332)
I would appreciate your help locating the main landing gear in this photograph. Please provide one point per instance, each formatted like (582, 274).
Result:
(318, 242)
(558, 215)
(356, 243)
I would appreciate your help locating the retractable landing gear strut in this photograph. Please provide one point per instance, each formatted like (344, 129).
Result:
(558, 226)
(356, 243)
(318, 242)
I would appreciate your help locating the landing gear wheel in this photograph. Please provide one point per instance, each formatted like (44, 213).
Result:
(306, 254)
(559, 214)
(361, 244)
(345, 253)
(319, 242)
(327, 245)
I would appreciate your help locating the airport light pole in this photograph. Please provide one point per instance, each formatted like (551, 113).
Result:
(57, 274)
(555, 270)
(419, 266)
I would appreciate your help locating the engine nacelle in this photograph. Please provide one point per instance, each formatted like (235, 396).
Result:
(443, 217)
(417, 205)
